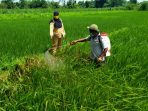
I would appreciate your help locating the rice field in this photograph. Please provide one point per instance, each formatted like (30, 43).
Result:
(27, 83)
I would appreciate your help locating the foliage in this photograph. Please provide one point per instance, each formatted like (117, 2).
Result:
(133, 1)
(100, 3)
(55, 5)
(131, 6)
(38, 4)
(10, 4)
(116, 3)
(71, 4)
(143, 6)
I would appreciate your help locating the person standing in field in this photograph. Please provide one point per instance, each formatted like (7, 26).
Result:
(57, 31)
(99, 43)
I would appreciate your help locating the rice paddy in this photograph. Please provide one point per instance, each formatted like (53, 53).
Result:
(73, 82)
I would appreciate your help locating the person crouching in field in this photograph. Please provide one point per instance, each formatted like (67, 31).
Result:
(99, 43)
(57, 31)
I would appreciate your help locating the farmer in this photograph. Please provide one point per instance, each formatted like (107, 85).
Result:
(99, 43)
(57, 31)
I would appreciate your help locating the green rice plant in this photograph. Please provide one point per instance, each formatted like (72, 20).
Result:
(77, 84)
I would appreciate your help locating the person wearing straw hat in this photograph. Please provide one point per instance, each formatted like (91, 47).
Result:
(57, 31)
(99, 43)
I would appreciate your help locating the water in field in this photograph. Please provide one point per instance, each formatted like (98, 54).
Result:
(53, 62)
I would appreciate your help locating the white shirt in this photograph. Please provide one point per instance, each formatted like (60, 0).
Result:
(98, 44)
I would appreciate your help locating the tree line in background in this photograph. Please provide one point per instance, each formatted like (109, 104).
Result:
(130, 5)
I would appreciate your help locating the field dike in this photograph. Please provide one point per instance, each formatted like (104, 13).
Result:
(26, 64)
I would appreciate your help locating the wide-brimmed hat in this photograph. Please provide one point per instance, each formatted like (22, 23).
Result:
(94, 27)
